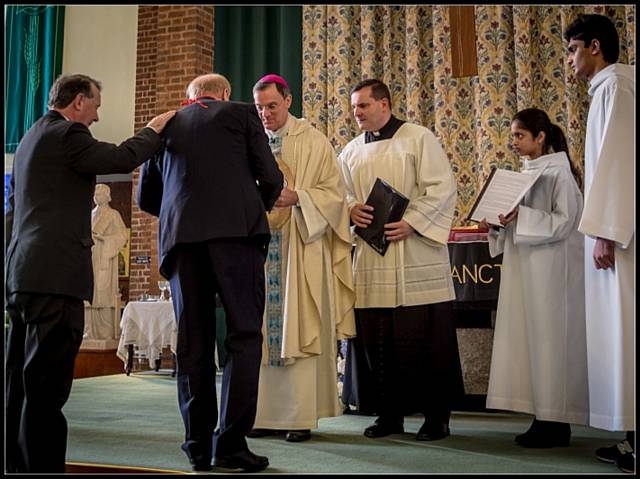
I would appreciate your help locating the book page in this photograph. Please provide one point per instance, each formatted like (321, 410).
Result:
(502, 193)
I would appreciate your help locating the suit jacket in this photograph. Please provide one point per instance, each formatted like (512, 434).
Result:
(50, 200)
(215, 178)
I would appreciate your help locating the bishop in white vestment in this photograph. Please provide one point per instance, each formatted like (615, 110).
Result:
(309, 282)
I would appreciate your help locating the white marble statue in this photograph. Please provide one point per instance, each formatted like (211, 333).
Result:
(109, 235)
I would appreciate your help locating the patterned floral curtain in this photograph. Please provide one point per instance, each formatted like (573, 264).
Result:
(521, 64)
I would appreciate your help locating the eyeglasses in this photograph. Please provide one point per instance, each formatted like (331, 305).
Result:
(270, 107)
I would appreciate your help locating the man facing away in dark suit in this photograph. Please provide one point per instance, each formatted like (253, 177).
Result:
(211, 187)
(48, 263)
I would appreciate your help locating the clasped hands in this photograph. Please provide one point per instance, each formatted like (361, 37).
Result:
(361, 216)
(287, 197)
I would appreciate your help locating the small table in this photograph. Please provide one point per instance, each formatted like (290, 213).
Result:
(151, 325)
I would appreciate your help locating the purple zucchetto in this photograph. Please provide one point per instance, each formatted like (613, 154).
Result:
(272, 77)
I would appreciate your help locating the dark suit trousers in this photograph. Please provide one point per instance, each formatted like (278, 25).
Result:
(45, 334)
(233, 268)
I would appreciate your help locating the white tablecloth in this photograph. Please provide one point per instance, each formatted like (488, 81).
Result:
(150, 326)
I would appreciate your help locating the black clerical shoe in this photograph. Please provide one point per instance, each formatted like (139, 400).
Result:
(433, 432)
(383, 427)
(199, 464)
(244, 460)
(298, 436)
(259, 432)
(545, 434)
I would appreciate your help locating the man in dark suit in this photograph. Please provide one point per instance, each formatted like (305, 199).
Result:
(48, 263)
(210, 188)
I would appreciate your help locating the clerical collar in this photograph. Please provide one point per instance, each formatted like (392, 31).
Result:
(283, 130)
(386, 132)
(275, 137)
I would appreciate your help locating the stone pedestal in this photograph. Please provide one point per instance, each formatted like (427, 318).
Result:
(475, 346)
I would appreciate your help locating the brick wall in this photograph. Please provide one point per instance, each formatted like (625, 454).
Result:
(175, 44)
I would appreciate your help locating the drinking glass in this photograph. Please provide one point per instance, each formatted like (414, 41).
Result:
(163, 285)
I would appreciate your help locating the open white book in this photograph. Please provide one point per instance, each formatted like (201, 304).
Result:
(501, 193)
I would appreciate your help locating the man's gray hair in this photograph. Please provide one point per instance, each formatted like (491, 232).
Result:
(211, 82)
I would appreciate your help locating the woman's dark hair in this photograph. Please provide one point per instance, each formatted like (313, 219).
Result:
(599, 27)
(535, 121)
(66, 87)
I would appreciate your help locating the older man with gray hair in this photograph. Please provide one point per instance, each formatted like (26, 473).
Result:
(211, 186)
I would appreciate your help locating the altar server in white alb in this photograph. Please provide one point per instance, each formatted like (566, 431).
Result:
(608, 222)
(309, 282)
(405, 350)
(539, 360)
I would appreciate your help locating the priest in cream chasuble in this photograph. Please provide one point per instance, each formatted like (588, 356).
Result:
(309, 282)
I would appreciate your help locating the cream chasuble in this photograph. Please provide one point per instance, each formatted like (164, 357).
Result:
(609, 212)
(309, 289)
(539, 359)
(417, 270)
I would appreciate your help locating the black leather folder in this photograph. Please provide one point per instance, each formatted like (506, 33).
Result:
(388, 207)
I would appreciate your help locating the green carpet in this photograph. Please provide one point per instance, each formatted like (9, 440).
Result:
(135, 421)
